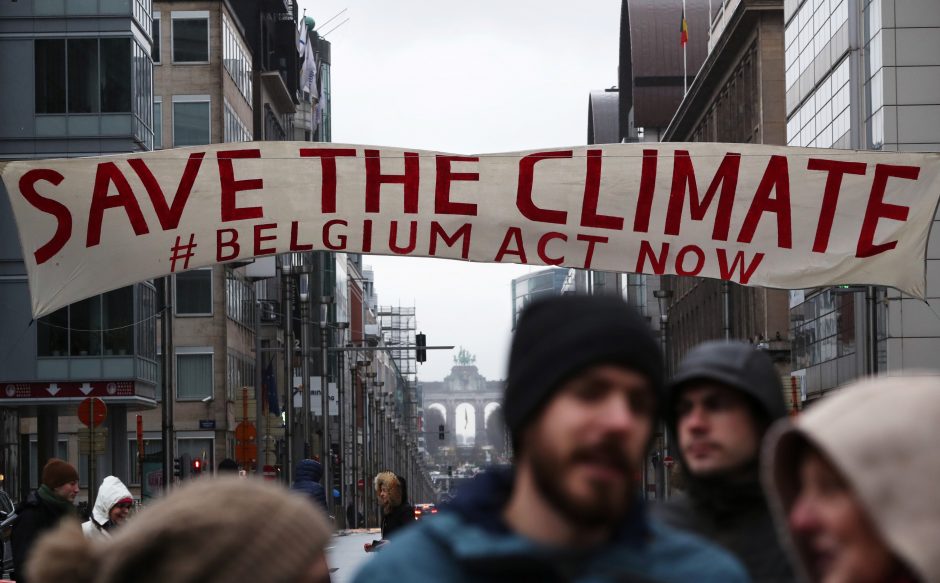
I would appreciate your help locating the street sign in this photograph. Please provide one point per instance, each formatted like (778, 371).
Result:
(207, 424)
(92, 412)
(245, 431)
(668, 461)
(89, 442)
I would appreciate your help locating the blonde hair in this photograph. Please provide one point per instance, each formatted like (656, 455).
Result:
(392, 485)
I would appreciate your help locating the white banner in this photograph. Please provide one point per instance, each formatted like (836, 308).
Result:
(756, 215)
(316, 404)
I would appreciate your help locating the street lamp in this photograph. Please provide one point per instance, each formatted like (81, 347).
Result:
(663, 297)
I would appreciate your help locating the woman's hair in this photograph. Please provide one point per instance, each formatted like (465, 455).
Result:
(392, 485)
(214, 530)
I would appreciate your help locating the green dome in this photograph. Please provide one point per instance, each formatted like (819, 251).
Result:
(311, 24)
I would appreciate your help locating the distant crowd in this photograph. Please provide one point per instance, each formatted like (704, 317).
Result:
(843, 492)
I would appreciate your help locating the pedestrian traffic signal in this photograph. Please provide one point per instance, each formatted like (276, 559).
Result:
(185, 466)
(177, 467)
(440, 431)
(197, 466)
(421, 341)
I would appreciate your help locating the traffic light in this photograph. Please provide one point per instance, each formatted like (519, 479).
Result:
(197, 466)
(440, 431)
(421, 341)
(177, 467)
(185, 466)
(450, 471)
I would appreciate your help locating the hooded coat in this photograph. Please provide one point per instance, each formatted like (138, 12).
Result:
(400, 513)
(731, 511)
(882, 436)
(307, 480)
(468, 542)
(111, 492)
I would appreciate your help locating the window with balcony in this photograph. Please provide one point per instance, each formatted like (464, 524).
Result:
(101, 325)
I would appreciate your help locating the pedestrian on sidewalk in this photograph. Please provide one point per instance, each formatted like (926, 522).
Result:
(42, 510)
(718, 407)
(397, 513)
(584, 382)
(209, 531)
(853, 483)
(111, 509)
(307, 480)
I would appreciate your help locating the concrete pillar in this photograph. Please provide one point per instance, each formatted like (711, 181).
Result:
(117, 450)
(480, 437)
(9, 450)
(47, 437)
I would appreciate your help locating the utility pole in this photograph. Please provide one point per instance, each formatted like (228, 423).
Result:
(165, 292)
(288, 367)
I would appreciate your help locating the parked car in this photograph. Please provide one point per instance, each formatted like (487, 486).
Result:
(7, 518)
(423, 510)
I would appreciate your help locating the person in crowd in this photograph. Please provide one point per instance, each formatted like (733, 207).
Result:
(719, 405)
(392, 493)
(227, 467)
(112, 507)
(853, 483)
(307, 480)
(209, 531)
(43, 509)
(585, 373)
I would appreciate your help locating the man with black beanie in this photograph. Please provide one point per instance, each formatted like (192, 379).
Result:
(43, 509)
(585, 373)
(720, 403)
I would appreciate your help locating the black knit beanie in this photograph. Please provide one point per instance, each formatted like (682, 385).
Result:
(558, 337)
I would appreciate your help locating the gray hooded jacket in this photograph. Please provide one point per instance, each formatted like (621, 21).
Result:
(731, 513)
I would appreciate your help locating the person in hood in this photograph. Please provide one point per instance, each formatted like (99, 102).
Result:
(853, 483)
(208, 531)
(719, 405)
(43, 509)
(307, 480)
(111, 510)
(581, 396)
(392, 494)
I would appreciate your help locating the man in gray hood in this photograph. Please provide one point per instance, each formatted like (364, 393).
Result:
(718, 406)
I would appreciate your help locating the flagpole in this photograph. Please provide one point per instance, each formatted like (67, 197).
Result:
(685, 75)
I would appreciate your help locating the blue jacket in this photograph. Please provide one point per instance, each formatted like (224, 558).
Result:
(307, 480)
(469, 542)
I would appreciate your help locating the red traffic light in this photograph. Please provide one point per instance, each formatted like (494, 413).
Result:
(197, 464)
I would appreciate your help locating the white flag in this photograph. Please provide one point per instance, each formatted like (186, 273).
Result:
(308, 74)
(301, 35)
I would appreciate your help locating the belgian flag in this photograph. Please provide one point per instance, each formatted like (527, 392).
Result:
(683, 30)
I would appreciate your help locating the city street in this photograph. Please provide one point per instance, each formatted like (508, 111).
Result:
(345, 554)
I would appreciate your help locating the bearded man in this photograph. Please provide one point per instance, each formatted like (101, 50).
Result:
(584, 383)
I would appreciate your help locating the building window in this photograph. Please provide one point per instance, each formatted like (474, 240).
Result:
(83, 75)
(236, 59)
(235, 130)
(157, 123)
(194, 292)
(190, 37)
(193, 373)
(155, 51)
(100, 325)
(191, 124)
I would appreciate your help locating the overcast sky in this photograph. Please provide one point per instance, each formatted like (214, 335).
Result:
(474, 77)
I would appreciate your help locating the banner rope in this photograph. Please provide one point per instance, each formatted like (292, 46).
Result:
(131, 325)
